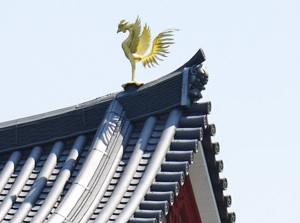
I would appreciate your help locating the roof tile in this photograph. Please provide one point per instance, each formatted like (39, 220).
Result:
(70, 164)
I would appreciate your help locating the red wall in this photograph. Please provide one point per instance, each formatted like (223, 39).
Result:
(185, 208)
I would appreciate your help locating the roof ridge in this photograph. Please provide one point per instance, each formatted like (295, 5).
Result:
(198, 58)
(55, 112)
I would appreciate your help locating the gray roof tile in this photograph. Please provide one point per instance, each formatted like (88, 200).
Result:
(111, 159)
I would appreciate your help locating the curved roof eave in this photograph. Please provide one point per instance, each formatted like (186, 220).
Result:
(128, 153)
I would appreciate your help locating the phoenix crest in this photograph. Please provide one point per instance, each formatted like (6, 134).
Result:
(138, 42)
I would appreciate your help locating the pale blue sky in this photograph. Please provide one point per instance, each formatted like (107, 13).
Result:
(55, 54)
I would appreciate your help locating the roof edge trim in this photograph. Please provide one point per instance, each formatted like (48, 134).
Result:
(56, 112)
(106, 144)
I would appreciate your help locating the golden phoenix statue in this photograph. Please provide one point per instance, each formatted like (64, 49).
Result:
(137, 43)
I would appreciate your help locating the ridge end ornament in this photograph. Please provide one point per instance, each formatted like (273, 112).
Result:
(138, 42)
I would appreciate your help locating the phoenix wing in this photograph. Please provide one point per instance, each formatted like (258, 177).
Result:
(159, 47)
(136, 30)
(144, 42)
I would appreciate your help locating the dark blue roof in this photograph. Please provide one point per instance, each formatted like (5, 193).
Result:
(118, 158)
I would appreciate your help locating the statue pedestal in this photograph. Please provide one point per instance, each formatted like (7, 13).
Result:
(132, 86)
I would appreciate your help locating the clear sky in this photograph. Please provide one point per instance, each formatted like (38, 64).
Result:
(55, 54)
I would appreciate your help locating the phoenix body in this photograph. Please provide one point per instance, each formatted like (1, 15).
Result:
(138, 42)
